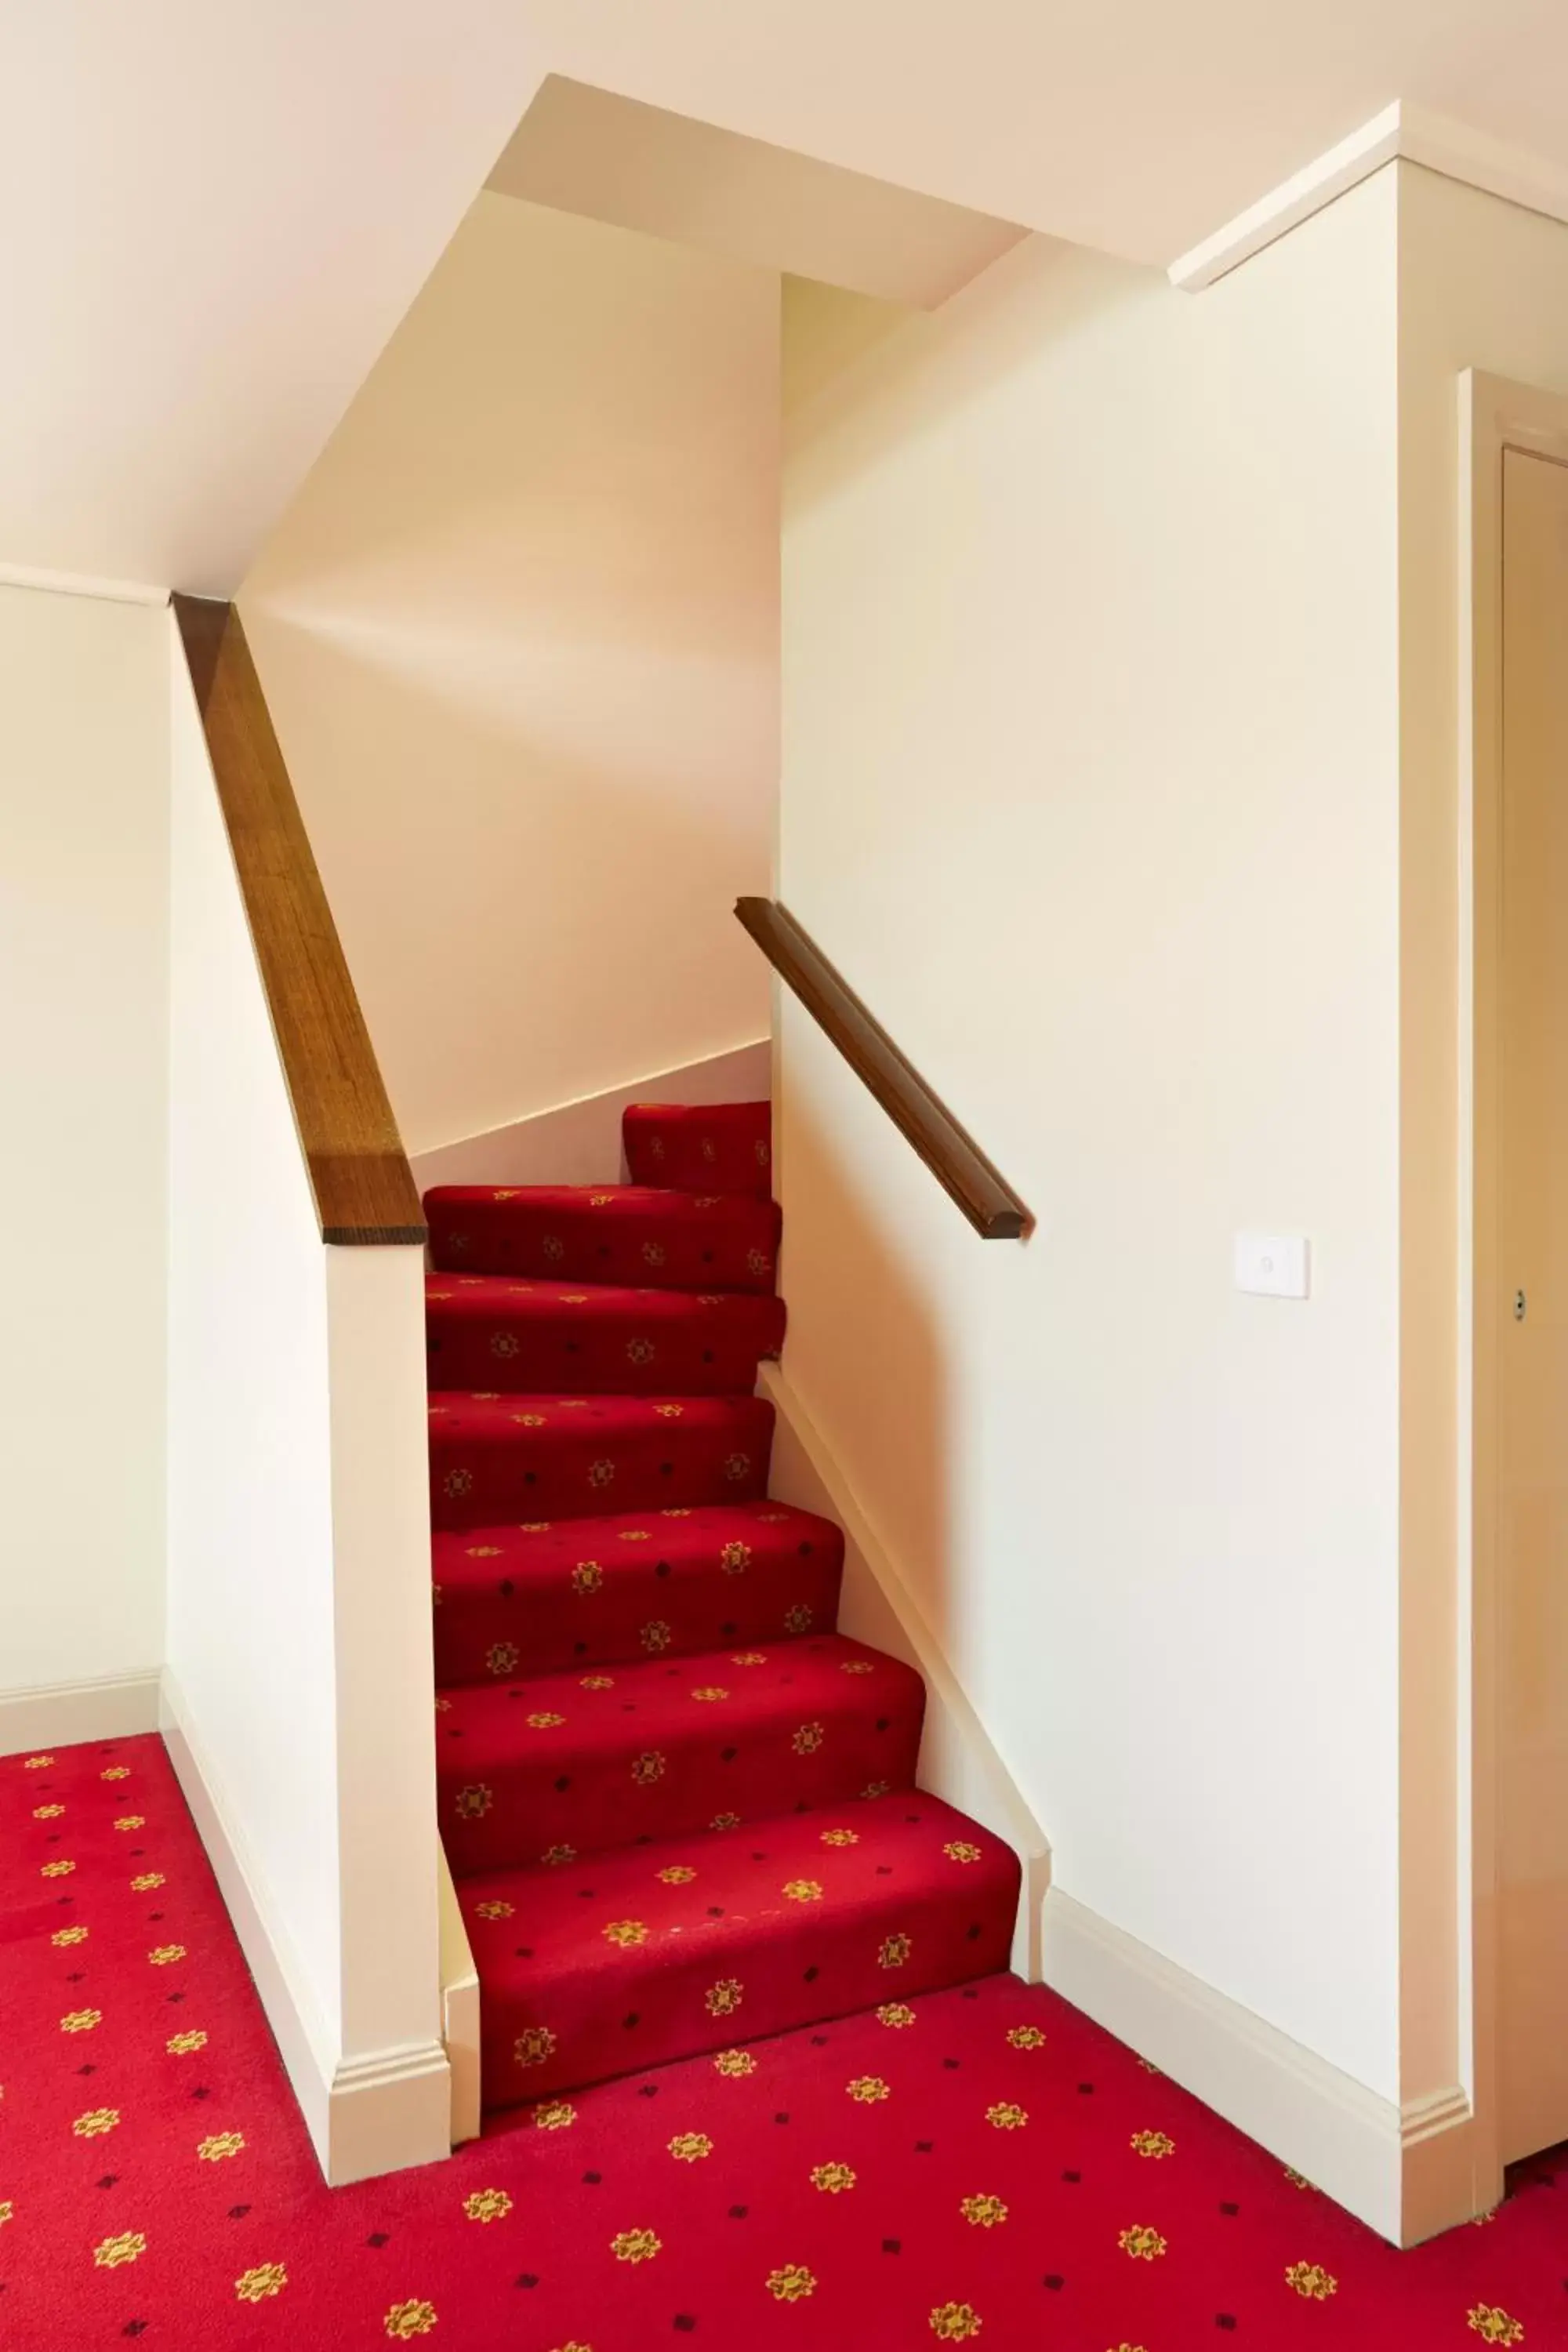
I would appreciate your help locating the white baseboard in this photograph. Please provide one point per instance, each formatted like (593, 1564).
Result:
(580, 1142)
(958, 1761)
(377, 2113)
(459, 2012)
(62, 1714)
(1406, 2173)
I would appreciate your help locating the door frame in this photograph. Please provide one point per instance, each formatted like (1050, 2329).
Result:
(1495, 415)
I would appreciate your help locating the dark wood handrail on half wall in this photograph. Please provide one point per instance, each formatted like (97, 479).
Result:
(364, 1186)
(953, 1157)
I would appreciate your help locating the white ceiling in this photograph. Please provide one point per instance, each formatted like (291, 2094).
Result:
(215, 216)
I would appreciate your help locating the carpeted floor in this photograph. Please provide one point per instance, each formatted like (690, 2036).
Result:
(979, 2165)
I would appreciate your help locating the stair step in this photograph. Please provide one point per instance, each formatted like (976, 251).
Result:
(665, 1239)
(574, 1763)
(599, 1591)
(495, 1457)
(656, 1952)
(716, 1147)
(487, 1331)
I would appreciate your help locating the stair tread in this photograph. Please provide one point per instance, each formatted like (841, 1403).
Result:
(626, 1233)
(667, 1745)
(497, 1331)
(498, 1456)
(727, 1934)
(581, 1591)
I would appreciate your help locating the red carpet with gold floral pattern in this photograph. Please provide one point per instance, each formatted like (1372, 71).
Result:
(977, 2165)
(681, 1809)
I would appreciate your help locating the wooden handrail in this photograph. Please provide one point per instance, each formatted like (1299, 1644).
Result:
(953, 1157)
(364, 1186)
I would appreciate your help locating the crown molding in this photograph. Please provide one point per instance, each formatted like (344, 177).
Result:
(1404, 133)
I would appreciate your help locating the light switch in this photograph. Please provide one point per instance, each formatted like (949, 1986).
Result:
(1274, 1266)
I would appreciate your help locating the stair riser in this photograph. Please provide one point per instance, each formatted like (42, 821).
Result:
(525, 1473)
(713, 1355)
(517, 1812)
(653, 2005)
(733, 1247)
(725, 1150)
(483, 1637)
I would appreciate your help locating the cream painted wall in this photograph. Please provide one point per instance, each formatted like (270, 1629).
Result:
(83, 1077)
(1484, 285)
(519, 633)
(1090, 786)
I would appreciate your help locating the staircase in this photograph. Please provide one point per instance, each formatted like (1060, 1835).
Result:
(680, 1808)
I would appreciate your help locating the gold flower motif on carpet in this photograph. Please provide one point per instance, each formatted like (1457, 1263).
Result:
(265, 2279)
(758, 1263)
(458, 1481)
(954, 2323)
(831, 2178)
(656, 1636)
(634, 2246)
(111, 2251)
(675, 1511)
(48, 1812)
(841, 1837)
(876, 1789)
(97, 2121)
(474, 1803)
(735, 1559)
(436, 1596)
(595, 1682)
(545, 1721)
(636, 1535)
(63, 1935)
(797, 1618)
(960, 1850)
(676, 1873)
(639, 1351)
(115, 1772)
(808, 1739)
(669, 1411)
(494, 1909)
(725, 1821)
(856, 1667)
(792, 2284)
(1297, 2179)
(180, 2045)
(625, 1933)
(601, 1474)
(558, 2115)
(488, 2205)
(723, 1998)
(532, 1420)
(553, 1247)
(653, 1253)
(504, 1343)
(36, 1763)
(895, 1950)
(534, 1527)
(1311, 2280)
(502, 1657)
(734, 2064)
(1493, 2325)
(984, 2212)
(803, 1890)
(737, 1465)
(1025, 2037)
(710, 1692)
(556, 1855)
(406, 2320)
(218, 2145)
(1007, 2115)
(146, 1882)
(56, 1869)
(895, 2013)
(80, 2020)
(647, 1768)
(1151, 2143)
(7, 2212)
(865, 2090)
(533, 2045)
(1141, 2244)
(750, 1658)
(690, 2147)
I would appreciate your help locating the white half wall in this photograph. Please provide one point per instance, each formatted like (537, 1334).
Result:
(1090, 788)
(300, 1672)
(519, 633)
(84, 1081)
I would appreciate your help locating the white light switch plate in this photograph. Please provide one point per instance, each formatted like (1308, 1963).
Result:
(1272, 1265)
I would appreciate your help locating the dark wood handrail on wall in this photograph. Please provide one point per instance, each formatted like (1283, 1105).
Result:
(953, 1157)
(364, 1186)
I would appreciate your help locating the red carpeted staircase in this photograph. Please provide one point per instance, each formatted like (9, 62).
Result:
(681, 1809)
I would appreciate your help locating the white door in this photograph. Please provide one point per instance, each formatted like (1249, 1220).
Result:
(1533, 1311)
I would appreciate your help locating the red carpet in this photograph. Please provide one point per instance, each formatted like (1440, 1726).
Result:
(681, 1809)
(975, 2166)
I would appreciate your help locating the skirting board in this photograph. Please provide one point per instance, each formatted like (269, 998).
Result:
(376, 2113)
(1406, 2173)
(957, 1760)
(459, 2012)
(60, 1714)
(580, 1142)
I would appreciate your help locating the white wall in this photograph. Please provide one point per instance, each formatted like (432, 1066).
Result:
(1091, 787)
(299, 1662)
(518, 635)
(83, 1080)
(1484, 285)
